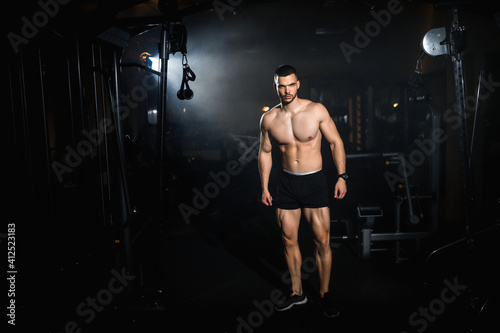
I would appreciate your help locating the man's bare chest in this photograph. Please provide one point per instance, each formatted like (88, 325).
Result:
(294, 130)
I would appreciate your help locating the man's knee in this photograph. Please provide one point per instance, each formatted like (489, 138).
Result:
(323, 246)
(289, 241)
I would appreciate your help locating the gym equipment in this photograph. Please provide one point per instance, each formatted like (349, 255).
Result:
(362, 228)
(367, 215)
(433, 44)
(185, 91)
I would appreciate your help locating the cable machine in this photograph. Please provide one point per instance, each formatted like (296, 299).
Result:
(434, 44)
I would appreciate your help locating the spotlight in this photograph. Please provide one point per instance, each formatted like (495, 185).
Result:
(155, 64)
(145, 60)
(149, 61)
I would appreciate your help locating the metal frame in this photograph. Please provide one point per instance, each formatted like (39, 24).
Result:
(367, 216)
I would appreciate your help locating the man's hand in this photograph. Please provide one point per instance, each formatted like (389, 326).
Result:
(340, 189)
(267, 199)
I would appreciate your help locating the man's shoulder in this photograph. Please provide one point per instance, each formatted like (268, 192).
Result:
(310, 105)
(267, 116)
(314, 108)
(271, 113)
(275, 109)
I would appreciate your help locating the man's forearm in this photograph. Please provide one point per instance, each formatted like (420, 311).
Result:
(265, 165)
(339, 159)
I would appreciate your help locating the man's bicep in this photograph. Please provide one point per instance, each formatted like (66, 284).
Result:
(328, 128)
(265, 141)
(265, 137)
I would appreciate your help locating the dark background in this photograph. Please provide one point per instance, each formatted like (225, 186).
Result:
(178, 207)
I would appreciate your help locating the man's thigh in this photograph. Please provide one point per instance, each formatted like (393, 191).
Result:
(289, 220)
(319, 221)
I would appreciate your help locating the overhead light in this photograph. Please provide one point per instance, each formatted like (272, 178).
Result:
(265, 108)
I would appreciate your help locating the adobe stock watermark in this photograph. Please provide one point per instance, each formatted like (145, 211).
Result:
(265, 308)
(407, 166)
(426, 147)
(421, 318)
(74, 156)
(219, 181)
(30, 28)
(372, 29)
(88, 309)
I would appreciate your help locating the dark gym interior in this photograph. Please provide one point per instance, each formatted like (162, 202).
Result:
(133, 190)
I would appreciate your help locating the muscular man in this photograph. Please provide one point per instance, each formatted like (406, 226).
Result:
(297, 126)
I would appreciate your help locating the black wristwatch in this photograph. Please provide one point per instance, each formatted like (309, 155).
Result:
(344, 176)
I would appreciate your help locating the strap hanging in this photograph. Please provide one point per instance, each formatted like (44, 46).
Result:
(185, 91)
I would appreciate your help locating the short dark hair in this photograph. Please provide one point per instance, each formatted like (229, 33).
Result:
(285, 70)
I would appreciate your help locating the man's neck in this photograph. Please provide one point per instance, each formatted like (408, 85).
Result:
(291, 107)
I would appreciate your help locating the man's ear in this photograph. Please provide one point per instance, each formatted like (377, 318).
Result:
(298, 84)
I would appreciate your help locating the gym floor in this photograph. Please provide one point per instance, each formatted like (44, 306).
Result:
(223, 279)
(220, 272)
(220, 275)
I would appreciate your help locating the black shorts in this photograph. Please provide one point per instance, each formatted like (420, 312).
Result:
(301, 191)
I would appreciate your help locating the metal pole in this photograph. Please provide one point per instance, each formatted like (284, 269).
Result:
(124, 199)
(476, 114)
(435, 171)
(164, 49)
(457, 56)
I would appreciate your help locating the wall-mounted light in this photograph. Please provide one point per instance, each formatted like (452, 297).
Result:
(149, 61)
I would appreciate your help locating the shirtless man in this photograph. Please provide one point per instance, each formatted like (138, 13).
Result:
(297, 126)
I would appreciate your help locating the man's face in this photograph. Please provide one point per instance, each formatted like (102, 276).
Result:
(286, 87)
